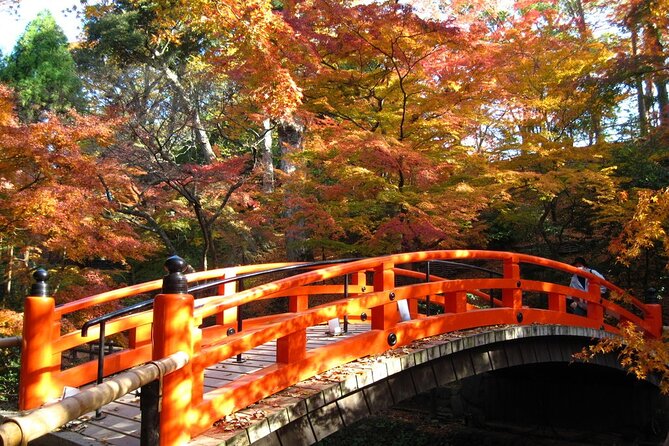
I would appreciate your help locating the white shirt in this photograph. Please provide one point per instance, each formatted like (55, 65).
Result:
(582, 283)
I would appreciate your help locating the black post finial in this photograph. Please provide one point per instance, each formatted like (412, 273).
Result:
(40, 287)
(175, 281)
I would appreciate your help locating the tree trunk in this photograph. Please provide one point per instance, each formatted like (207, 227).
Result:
(9, 276)
(638, 84)
(207, 238)
(654, 48)
(290, 141)
(662, 102)
(201, 137)
(266, 159)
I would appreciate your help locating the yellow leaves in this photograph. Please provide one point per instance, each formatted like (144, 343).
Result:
(198, 64)
(464, 188)
(608, 170)
(646, 227)
(11, 323)
(640, 356)
(452, 85)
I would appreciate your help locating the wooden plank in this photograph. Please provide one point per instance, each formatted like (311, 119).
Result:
(121, 425)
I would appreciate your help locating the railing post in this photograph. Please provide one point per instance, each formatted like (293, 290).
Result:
(456, 302)
(512, 297)
(427, 298)
(101, 365)
(557, 302)
(595, 309)
(173, 327)
(357, 280)
(38, 364)
(297, 304)
(347, 282)
(654, 316)
(293, 347)
(228, 316)
(149, 398)
(139, 336)
(387, 315)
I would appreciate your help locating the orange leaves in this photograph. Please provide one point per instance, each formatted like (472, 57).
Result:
(7, 117)
(52, 197)
(77, 283)
(248, 41)
(392, 98)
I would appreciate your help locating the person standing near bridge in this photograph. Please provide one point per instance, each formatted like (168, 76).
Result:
(575, 305)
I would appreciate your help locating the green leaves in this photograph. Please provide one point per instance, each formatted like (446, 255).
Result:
(42, 70)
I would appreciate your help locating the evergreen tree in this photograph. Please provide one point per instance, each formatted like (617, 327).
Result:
(42, 71)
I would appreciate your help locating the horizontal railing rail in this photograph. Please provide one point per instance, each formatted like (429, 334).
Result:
(193, 289)
(10, 342)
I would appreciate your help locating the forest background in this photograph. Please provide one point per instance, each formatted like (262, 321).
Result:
(233, 132)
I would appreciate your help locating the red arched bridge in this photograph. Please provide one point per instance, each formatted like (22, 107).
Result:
(199, 320)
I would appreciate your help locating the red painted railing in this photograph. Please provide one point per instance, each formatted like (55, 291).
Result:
(176, 324)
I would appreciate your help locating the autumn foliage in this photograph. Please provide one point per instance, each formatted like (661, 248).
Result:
(233, 132)
(642, 357)
(53, 207)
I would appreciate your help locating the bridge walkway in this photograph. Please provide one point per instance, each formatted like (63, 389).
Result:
(317, 407)
(120, 425)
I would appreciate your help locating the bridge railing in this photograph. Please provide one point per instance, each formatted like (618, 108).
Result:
(43, 374)
(365, 289)
(379, 301)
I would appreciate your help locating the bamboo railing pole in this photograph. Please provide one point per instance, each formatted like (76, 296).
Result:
(20, 430)
(14, 341)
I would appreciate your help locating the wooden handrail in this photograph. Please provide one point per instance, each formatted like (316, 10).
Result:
(12, 341)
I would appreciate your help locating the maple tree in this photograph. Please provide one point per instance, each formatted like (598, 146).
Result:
(174, 105)
(384, 129)
(393, 127)
(510, 108)
(54, 209)
(393, 130)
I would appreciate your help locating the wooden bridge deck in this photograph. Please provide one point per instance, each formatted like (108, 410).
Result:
(121, 423)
